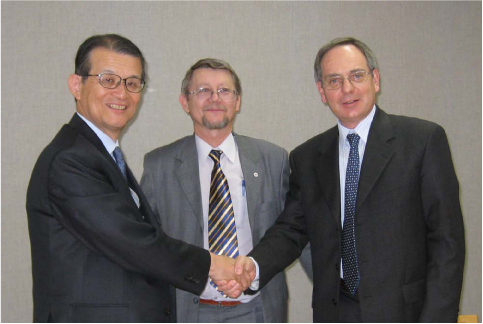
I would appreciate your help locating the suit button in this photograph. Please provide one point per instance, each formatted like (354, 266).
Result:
(337, 267)
(167, 311)
(195, 300)
(334, 301)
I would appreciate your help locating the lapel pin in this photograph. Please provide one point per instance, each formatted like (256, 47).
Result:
(255, 175)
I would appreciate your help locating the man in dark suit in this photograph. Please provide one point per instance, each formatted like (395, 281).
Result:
(98, 254)
(378, 199)
(176, 181)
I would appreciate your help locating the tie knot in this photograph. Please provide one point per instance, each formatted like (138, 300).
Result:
(215, 155)
(353, 139)
(118, 154)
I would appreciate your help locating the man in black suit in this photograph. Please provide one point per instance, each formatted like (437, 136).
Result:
(378, 199)
(98, 253)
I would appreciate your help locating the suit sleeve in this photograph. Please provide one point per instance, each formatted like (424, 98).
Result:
(305, 258)
(86, 201)
(284, 241)
(445, 233)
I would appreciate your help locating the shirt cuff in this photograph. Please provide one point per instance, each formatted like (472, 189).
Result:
(256, 282)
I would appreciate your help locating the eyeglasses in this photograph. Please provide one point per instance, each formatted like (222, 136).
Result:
(223, 93)
(335, 81)
(112, 81)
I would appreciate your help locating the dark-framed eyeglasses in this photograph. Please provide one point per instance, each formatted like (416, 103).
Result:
(333, 82)
(112, 81)
(224, 94)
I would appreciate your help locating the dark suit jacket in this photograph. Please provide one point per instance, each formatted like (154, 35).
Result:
(96, 257)
(409, 228)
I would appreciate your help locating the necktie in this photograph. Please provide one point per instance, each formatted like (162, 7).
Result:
(349, 257)
(120, 160)
(222, 237)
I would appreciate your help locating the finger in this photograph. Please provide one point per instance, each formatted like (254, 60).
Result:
(240, 264)
(231, 285)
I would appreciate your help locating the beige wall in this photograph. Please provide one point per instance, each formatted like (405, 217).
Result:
(430, 62)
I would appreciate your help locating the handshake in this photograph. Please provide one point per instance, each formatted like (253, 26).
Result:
(232, 276)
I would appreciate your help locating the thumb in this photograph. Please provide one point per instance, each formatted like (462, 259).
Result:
(239, 265)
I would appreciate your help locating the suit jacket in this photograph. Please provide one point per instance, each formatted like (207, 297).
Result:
(172, 185)
(96, 257)
(408, 223)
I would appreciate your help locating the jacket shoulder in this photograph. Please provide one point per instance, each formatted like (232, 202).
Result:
(414, 128)
(263, 145)
(319, 141)
(169, 149)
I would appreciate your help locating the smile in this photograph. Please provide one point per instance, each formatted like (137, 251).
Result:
(117, 107)
(350, 102)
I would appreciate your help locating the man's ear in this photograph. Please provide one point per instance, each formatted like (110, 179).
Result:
(238, 103)
(375, 79)
(321, 92)
(75, 83)
(184, 103)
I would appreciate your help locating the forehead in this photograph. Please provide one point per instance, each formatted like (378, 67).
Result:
(212, 76)
(343, 59)
(125, 65)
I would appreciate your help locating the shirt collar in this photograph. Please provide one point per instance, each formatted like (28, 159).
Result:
(228, 147)
(108, 143)
(362, 129)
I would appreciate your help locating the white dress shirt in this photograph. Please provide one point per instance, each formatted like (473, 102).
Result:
(231, 167)
(362, 129)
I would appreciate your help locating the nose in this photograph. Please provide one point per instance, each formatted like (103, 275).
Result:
(120, 91)
(347, 85)
(213, 94)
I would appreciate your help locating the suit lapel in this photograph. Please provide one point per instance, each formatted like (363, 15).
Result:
(327, 170)
(187, 173)
(376, 156)
(84, 129)
(253, 173)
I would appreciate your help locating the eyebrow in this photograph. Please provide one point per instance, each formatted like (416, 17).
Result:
(112, 72)
(352, 71)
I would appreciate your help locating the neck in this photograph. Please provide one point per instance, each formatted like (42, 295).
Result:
(214, 137)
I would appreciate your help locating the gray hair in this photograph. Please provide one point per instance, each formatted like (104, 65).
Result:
(210, 63)
(370, 57)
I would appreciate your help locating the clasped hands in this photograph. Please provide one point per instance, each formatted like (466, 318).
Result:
(232, 276)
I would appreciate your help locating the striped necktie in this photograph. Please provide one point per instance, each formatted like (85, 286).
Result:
(222, 237)
(349, 255)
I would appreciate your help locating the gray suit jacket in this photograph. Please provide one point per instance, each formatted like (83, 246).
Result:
(172, 186)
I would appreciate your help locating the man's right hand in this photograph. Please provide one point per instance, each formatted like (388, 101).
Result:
(230, 278)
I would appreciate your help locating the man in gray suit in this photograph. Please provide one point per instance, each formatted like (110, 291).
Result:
(177, 180)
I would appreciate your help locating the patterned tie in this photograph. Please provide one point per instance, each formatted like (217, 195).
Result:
(349, 256)
(120, 160)
(222, 237)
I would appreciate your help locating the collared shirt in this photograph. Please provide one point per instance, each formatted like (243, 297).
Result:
(362, 129)
(110, 145)
(231, 167)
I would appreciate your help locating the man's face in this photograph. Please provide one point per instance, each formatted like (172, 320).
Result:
(214, 113)
(108, 109)
(350, 103)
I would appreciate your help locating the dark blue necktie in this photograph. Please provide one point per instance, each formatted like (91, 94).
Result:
(120, 160)
(349, 255)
